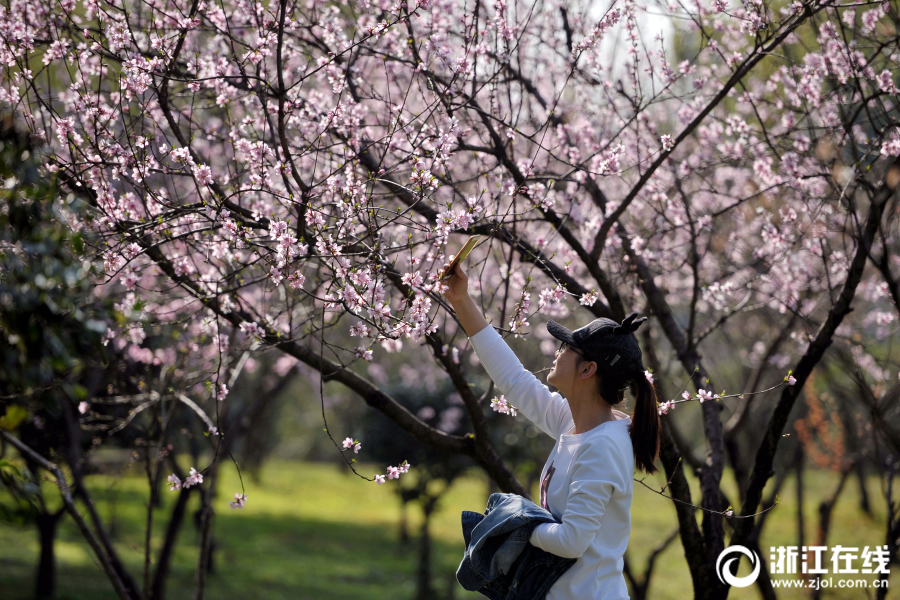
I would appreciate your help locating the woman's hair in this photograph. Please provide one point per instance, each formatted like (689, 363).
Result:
(645, 419)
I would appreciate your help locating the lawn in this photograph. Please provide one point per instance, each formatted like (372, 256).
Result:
(314, 531)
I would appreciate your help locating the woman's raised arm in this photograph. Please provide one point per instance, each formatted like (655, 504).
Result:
(548, 410)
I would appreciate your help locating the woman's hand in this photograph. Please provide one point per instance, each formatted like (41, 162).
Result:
(458, 282)
(457, 294)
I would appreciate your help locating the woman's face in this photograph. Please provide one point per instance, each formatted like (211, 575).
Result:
(563, 370)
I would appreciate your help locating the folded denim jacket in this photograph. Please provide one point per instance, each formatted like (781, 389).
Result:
(499, 561)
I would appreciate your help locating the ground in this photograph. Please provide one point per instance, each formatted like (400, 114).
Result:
(313, 531)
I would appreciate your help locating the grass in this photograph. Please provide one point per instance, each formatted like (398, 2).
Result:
(313, 531)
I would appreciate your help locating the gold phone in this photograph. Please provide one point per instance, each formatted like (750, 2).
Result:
(461, 255)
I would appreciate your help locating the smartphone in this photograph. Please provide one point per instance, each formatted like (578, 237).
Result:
(461, 255)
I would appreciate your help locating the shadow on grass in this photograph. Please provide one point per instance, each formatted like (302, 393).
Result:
(257, 556)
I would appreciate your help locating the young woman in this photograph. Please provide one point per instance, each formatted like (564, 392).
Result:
(587, 481)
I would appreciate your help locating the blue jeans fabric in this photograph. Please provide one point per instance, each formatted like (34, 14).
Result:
(499, 561)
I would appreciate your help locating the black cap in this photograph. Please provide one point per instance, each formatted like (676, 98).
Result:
(611, 345)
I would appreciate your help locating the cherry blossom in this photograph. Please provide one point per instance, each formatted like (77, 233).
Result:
(193, 478)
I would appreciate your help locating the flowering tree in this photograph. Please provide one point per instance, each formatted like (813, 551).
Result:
(291, 174)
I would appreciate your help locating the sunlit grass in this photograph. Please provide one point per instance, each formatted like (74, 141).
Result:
(314, 531)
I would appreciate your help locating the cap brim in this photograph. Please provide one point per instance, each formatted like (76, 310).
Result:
(560, 332)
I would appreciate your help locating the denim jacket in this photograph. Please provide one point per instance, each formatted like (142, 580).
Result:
(499, 561)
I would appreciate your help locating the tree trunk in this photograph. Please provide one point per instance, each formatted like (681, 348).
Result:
(424, 590)
(45, 585)
(404, 526)
(165, 554)
(863, 491)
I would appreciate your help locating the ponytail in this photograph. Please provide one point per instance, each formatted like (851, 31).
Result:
(645, 427)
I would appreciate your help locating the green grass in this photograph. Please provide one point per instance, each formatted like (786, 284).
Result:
(313, 531)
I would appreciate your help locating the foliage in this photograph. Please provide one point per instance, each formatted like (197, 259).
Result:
(51, 323)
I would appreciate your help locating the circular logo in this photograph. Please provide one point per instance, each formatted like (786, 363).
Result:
(724, 570)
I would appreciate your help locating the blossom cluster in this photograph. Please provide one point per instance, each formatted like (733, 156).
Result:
(193, 478)
(351, 443)
(393, 472)
(500, 405)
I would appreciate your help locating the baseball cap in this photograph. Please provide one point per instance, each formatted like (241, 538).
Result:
(611, 345)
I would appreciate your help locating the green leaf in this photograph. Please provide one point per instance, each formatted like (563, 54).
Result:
(15, 414)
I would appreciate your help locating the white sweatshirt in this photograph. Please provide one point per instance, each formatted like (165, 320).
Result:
(587, 481)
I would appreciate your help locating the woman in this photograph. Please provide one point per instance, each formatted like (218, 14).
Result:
(587, 481)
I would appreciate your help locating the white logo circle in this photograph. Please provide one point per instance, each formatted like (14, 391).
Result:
(724, 571)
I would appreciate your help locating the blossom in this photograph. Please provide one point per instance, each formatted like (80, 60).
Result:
(203, 175)
(213, 430)
(589, 298)
(791, 380)
(222, 393)
(886, 83)
(194, 478)
(83, 407)
(502, 406)
(404, 468)
(379, 479)
(393, 473)
(649, 376)
(686, 395)
(176, 483)
(729, 513)
(239, 501)
(667, 142)
(360, 329)
(664, 407)
(252, 329)
(704, 395)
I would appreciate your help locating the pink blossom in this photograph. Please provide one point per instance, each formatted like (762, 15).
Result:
(791, 380)
(667, 142)
(589, 298)
(360, 329)
(704, 395)
(252, 329)
(175, 481)
(379, 479)
(239, 501)
(649, 376)
(222, 392)
(502, 406)
(296, 280)
(203, 175)
(686, 395)
(393, 473)
(194, 478)
(83, 407)
(886, 83)
(347, 443)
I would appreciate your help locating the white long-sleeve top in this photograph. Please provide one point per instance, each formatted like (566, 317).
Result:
(587, 481)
